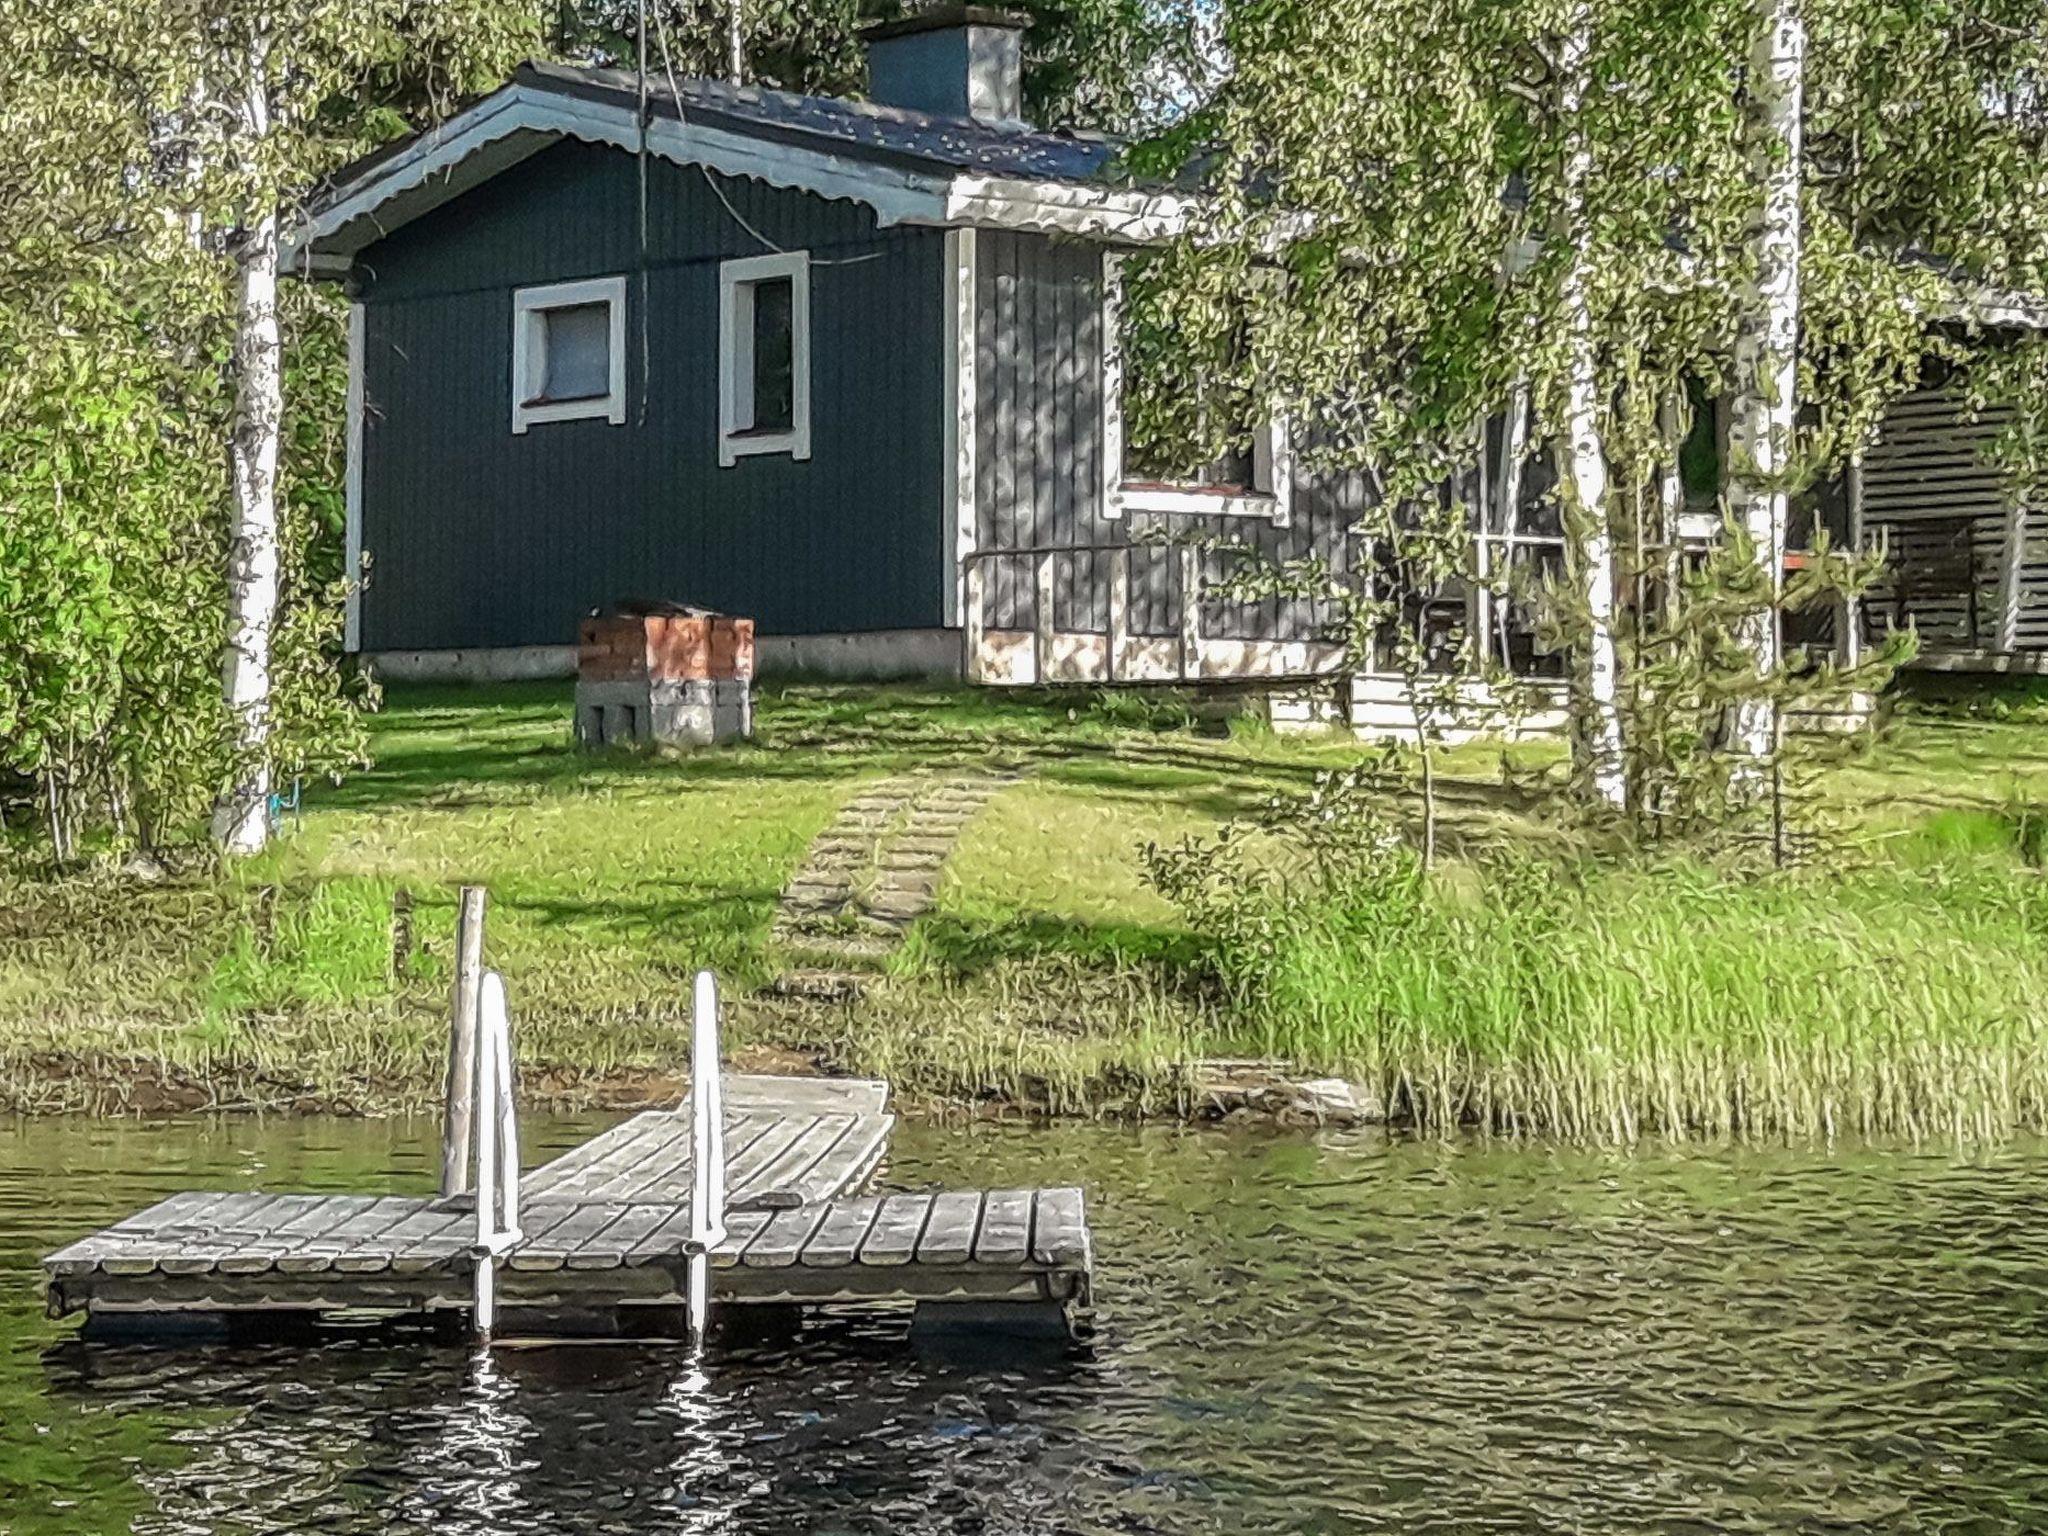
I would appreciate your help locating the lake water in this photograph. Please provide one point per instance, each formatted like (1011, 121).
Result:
(1294, 1333)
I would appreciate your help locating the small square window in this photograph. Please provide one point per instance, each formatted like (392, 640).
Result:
(764, 384)
(568, 352)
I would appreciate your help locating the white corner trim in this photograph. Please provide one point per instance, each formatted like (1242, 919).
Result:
(529, 351)
(352, 487)
(961, 416)
(1112, 467)
(1272, 498)
(736, 280)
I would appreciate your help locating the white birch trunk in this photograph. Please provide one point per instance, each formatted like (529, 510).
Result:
(241, 821)
(1764, 411)
(1589, 552)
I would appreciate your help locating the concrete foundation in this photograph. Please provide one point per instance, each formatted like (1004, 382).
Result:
(883, 655)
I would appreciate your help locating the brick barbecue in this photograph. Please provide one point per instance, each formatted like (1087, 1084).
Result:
(664, 673)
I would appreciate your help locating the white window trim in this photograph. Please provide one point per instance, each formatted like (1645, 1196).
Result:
(529, 336)
(736, 355)
(1272, 451)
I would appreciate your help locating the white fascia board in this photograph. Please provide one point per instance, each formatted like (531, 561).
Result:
(1985, 305)
(1104, 213)
(451, 160)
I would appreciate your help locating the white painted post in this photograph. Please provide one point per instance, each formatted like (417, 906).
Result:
(1042, 618)
(507, 1117)
(1119, 614)
(976, 636)
(484, 1158)
(495, 1148)
(707, 1149)
(1851, 646)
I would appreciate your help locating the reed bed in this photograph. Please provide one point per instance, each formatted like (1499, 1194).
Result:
(1889, 1001)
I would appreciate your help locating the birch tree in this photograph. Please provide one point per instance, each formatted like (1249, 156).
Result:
(1764, 410)
(1589, 555)
(160, 147)
(1474, 205)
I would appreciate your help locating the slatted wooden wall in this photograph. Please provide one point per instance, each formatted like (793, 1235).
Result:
(1932, 492)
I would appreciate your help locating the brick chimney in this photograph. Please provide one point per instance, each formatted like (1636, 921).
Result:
(964, 61)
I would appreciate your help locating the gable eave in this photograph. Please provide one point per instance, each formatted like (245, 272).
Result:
(523, 118)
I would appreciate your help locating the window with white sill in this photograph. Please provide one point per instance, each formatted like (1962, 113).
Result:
(1247, 476)
(764, 371)
(569, 352)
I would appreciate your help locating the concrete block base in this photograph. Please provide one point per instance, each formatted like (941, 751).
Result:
(696, 713)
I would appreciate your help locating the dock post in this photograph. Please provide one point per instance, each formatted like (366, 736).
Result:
(496, 1149)
(459, 1102)
(707, 1149)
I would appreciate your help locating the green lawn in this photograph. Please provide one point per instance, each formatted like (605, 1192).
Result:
(1049, 970)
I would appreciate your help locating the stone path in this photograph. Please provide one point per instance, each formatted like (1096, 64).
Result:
(871, 873)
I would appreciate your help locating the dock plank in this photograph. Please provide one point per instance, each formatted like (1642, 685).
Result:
(746, 1170)
(741, 1228)
(571, 1227)
(376, 1218)
(410, 1246)
(570, 1175)
(201, 1240)
(1059, 1228)
(816, 1137)
(608, 1249)
(780, 1242)
(840, 1234)
(949, 1233)
(643, 1167)
(900, 1222)
(1005, 1235)
(809, 1095)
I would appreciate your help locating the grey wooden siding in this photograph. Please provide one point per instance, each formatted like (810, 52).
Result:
(1934, 495)
(478, 537)
(1038, 372)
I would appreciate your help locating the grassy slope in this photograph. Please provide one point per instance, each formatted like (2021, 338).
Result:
(1048, 969)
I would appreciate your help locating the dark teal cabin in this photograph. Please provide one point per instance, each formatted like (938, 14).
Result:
(848, 368)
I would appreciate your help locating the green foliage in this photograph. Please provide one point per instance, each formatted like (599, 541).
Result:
(1100, 64)
(126, 184)
(1411, 200)
(1527, 993)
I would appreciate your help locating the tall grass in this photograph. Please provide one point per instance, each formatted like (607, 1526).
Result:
(1902, 999)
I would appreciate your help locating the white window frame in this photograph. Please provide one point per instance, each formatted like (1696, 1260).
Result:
(529, 343)
(736, 281)
(1272, 496)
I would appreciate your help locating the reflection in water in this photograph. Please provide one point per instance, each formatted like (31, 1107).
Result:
(1295, 1334)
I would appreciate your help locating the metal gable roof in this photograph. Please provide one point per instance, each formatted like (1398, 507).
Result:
(858, 128)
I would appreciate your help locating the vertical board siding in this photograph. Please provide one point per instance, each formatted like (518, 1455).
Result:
(1930, 483)
(1039, 360)
(478, 537)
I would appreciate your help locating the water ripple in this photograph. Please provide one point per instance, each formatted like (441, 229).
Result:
(1295, 1334)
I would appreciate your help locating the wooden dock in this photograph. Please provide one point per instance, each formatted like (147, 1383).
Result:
(612, 1236)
